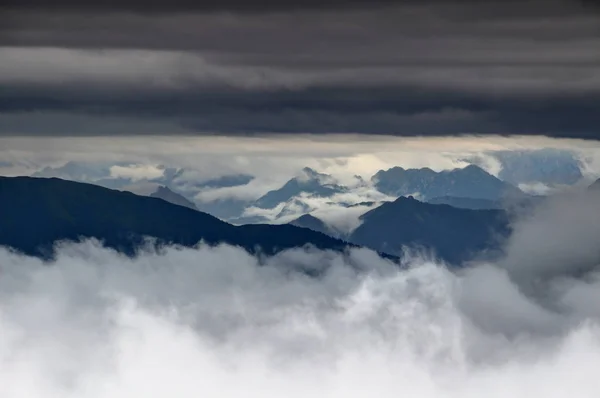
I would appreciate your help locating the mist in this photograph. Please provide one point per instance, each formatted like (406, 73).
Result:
(217, 321)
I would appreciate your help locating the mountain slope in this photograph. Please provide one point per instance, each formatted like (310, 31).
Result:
(455, 234)
(311, 222)
(469, 182)
(168, 195)
(311, 183)
(36, 212)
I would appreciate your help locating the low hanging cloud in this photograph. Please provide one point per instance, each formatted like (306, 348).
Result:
(220, 322)
(136, 172)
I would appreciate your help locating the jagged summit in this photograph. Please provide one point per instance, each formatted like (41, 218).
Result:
(471, 182)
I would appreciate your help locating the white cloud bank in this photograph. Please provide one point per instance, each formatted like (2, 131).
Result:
(210, 322)
(218, 322)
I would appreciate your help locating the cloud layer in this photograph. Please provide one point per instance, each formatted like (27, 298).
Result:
(217, 321)
(400, 68)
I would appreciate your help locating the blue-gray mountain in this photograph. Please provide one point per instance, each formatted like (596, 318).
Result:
(311, 183)
(469, 182)
(547, 166)
(168, 195)
(454, 234)
(311, 222)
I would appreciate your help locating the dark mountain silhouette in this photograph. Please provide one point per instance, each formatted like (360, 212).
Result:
(168, 195)
(311, 183)
(37, 212)
(469, 182)
(455, 234)
(595, 185)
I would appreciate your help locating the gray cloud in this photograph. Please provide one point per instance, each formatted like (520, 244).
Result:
(404, 68)
(559, 239)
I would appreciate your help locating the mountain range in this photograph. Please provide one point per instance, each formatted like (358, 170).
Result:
(38, 212)
(310, 183)
(470, 187)
(35, 213)
(455, 234)
(425, 183)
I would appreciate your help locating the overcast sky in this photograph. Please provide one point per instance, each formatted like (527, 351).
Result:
(253, 67)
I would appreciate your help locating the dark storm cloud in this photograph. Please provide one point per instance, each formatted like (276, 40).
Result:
(209, 5)
(395, 67)
(225, 5)
(192, 5)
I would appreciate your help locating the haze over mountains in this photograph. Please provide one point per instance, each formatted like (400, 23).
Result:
(72, 211)
(239, 199)
(467, 216)
(64, 210)
(471, 182)
(472, 219)
(457, 214)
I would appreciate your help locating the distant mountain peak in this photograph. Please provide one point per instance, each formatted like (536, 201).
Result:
(473, 168)
(168, 195)
(471, 181)
(313, 223)
(163, 188)
(310, 183)
(309, 174)
(455, 234)
(310, 171)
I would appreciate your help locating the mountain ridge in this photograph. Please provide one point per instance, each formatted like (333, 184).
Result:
(471, 181)
(165, 193)
(68, 210)
(455, 234)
